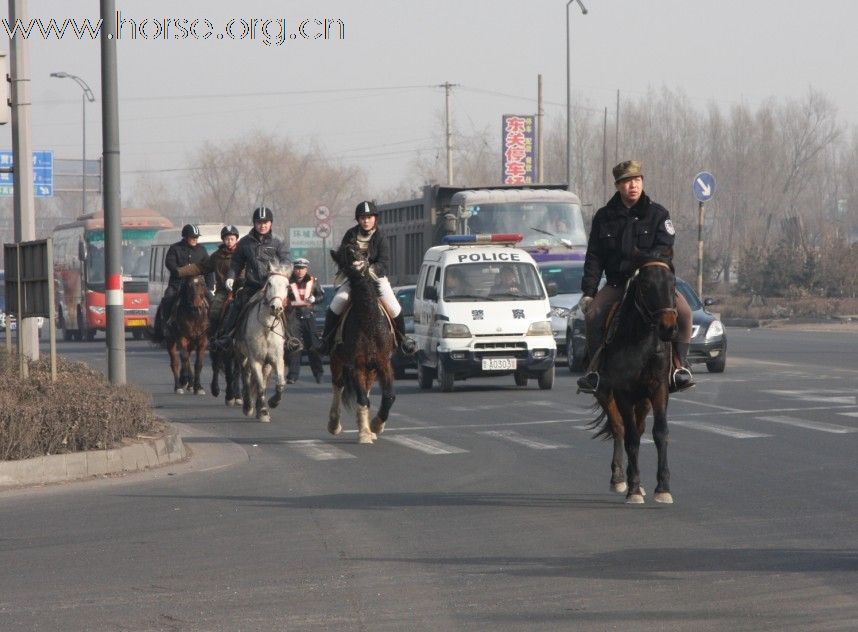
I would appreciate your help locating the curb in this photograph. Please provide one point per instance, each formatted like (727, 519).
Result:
(57, 468)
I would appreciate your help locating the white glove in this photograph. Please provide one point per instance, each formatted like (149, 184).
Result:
(311, 299)
(229, 283)
(584, 303)
(359, 265)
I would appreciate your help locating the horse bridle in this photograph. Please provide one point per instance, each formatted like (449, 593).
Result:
(640, 303)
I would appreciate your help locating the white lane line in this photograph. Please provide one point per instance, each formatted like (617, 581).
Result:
(512, 435)
(644, 439)
(727, 431)
(815, 396)
(705, 405)
(424, 444)
(319, 450)
(810, 425)
(855, 414)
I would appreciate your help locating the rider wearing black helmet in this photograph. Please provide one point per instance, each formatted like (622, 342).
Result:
(180, 255)
(218, 266)
(369, 238)
(255, 252)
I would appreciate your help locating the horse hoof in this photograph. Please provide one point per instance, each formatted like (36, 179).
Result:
(200, 391)
(265, 419)
(642, 490)
(238, 402)
(334, 427)
(365, 437)
(230, 402)
(179, 391)
(635, 499)
(620, 488)
(663, 497)
(377, 426)
(249, 412)
(215, 390)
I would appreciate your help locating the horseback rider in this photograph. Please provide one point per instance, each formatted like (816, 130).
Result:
(304, 292)
(218, 265)
(369, 238)
(179, 255)
(629, 224)
(254, 253)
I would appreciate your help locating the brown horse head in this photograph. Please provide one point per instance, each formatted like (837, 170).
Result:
(655, 296)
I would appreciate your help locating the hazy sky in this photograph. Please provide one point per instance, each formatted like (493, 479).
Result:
(371, 98)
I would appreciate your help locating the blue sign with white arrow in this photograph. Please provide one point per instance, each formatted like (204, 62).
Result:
(703, 186)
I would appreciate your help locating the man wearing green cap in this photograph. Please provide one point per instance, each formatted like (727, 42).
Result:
(630, 223)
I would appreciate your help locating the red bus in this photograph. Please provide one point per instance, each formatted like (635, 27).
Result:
(79, 272)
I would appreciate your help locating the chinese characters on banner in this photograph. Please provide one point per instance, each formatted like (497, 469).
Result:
(518, 149)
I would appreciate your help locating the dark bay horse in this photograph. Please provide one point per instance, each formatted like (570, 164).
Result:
(187, 331)
(364, 354)
(224, 360)
(635, 377)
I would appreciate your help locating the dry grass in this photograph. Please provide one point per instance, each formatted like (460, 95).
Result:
(80, 411)
(769, 308)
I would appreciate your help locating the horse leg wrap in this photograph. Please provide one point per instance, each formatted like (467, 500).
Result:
(386, 404)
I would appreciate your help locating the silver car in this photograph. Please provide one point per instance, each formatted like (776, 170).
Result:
(566, 278)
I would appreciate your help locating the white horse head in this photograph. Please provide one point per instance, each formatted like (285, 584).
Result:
(277, 287)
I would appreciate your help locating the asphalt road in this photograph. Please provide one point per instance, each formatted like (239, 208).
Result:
(485, 509)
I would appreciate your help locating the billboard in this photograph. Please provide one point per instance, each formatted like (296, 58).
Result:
(518, 149)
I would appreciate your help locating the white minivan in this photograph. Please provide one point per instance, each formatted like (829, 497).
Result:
(481, 309)
(159, 276)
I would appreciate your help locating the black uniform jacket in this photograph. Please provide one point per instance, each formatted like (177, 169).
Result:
(617, 233)
(181, 254)
(253, 254)
(378, 254)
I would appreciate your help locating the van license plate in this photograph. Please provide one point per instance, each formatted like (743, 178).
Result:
(499, 364)
(136, 322)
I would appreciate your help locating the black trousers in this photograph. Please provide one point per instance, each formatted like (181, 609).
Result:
(302, 325)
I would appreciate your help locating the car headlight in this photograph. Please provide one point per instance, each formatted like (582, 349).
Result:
(540, 328)
(560, 312)
(716, 330)
(455, 330)
(96, 309)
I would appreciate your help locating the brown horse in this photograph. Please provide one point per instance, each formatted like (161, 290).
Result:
(365, 351)
(635, 377)
(187, 331)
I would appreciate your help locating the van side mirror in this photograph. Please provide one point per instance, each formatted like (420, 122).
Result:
(551, 288)
(81, 250)
(430, 293)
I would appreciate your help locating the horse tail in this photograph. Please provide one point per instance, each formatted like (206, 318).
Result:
(601, 424)
(350, 386)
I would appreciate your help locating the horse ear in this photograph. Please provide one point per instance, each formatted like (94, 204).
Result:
(335, 256)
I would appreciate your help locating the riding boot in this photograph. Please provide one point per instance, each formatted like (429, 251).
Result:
(326, 343)
(589, 383)
(157, 333)
(681, 377)
(406, 343)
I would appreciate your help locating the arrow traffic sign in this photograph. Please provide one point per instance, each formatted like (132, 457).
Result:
(703, 186)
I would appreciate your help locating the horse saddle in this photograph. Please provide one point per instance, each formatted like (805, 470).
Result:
(338, 332)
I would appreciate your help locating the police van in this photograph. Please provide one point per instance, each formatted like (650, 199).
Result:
(481, 309)
(159, 276)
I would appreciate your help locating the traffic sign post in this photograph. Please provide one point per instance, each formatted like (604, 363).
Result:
(703, 187)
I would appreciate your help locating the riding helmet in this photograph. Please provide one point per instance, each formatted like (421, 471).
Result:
(190, 230)
(300, 263)
(365, 209)
(263, 214)
(229, 229)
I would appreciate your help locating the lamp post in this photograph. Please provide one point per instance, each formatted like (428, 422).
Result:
(86, 96)
(569, 96)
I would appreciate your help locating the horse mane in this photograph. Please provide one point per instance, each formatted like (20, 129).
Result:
(280, 268)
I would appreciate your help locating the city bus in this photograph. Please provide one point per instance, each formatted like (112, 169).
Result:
(79, 272)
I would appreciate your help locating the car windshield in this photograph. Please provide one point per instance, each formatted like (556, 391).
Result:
(566, 277)
(541, 223)
(492, 282)
(690, 295)
(135, 254)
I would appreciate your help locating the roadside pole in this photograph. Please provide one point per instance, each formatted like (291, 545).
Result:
(700, 249)
(703, 187)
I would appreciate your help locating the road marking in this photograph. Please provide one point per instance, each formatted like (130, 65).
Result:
(810, 425)
(646, 440)
(512, 435)
(704, 404)
(319, 450)
(727, 431)
(816, 396)
(849, 414)
(424, 444)
(525, 403)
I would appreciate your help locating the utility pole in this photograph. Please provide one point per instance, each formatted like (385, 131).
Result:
(617, 132)
(448, 105)
(112, 198)
(605, 155)
(540, 117)
(24, 210)
(569, 186)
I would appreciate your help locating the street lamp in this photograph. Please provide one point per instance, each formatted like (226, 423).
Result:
(86, 96)
(569, 96)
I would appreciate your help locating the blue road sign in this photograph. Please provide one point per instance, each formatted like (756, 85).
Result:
(703, 186)
(43, 173)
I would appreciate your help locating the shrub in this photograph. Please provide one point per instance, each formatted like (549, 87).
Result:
(80, 411)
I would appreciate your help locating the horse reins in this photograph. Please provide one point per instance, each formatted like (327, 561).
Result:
(648, 314)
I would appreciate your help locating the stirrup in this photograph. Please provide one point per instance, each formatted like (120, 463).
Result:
(674, 387)
(408, 346)
(584, 385)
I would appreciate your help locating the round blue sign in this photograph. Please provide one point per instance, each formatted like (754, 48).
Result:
(703, 186)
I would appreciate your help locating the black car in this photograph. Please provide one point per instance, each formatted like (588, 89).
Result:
(708, 337)
(401, 362)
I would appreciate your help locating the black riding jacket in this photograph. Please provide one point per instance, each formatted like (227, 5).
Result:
(618, 234)
(378, 254)
(253, 254)
(181, 254)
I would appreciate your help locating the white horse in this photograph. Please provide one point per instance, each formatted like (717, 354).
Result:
(259, 340)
